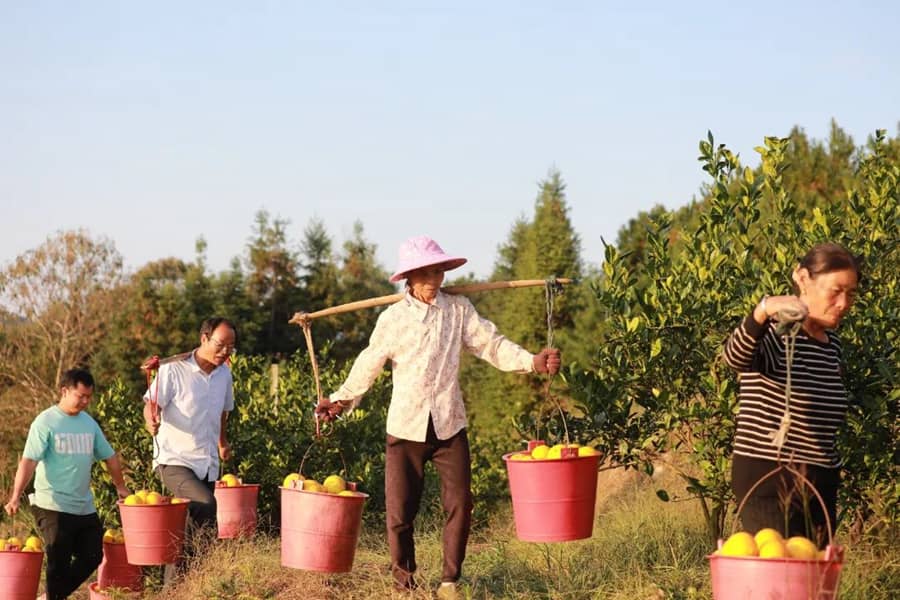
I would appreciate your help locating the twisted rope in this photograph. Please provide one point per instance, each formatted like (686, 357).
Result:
(789, 323)
(551, 288)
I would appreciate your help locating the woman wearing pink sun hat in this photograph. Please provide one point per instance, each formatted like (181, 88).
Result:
(424, 335)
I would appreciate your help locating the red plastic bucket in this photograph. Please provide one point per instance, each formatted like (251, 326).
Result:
(236, 510)
(749, 578)
(319, 531)
(20, 574)
(116, 571)
(154, 533)
(553, 500)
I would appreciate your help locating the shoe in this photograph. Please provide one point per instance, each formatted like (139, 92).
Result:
(448, 591)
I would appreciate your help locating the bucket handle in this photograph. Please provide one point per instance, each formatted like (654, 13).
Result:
(311, 446)
(802, 478)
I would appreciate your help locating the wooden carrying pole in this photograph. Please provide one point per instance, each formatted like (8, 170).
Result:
(301, 317)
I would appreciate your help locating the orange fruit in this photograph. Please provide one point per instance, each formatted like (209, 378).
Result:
(739, 544)
(334, 484)
(766, 534)
(540, 452)
(291, 478)
(773, 548)
(801, 547)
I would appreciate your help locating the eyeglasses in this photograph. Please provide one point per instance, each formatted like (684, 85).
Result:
(220, 347)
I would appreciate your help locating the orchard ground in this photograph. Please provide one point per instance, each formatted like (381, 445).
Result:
(641, 548)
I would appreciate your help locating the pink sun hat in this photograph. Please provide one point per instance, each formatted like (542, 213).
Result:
(422, 251)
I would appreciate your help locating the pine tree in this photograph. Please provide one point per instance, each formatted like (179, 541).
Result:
(273, 285)
(546, 246)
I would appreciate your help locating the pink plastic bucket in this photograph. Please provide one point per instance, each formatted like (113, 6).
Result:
(319, 531)
(553, 499)
(116, 571)
(20, 574)
(154, 533)
(236, 510)
(749, 578)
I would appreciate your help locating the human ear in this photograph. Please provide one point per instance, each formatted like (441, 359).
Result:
(801, 277)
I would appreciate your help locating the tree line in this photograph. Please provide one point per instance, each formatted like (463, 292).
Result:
(639, 332)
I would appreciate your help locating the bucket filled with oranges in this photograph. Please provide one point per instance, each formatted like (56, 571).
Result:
(20, 567)
(153, 525)
(766, 564)
(320, 523)
(553, 490)
(236, 513)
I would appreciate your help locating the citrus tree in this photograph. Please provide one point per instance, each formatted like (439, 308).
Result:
(271, 430)
(658, 387)
(273, 433)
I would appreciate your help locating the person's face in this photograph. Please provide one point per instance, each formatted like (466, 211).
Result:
(828, 295)
(217, 346)
(76, 398)
(424, 283)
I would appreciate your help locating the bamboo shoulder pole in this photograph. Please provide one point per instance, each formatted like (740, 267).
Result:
(300, 317)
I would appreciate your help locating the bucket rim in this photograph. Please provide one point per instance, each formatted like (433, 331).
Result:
(506, 458)
(17, 552)
(786, 559)
(181, 502)
(95, 586)
(358, 494)
(237, 487)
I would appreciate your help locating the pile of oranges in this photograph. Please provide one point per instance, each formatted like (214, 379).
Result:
(556, 452)
(333, 484)
(768, 543)
(142, 497)
(32, 544)
(113, 536)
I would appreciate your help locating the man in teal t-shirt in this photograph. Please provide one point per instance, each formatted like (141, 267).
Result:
(63, 442)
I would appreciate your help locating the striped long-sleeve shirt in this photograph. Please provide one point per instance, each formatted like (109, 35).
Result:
(818, 404)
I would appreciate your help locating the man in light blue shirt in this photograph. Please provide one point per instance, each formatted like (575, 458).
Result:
(62, 444)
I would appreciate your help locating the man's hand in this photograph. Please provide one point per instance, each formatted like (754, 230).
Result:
(547, 361)
(225, 451)
(327, 410)
(123, 492)
(151, 419)
(12, 507)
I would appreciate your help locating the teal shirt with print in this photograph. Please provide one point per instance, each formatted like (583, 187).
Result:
(65, 446)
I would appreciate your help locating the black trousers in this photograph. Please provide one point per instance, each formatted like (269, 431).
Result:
(404, 482)
(183, 483)
(783, 501)
(74, 548)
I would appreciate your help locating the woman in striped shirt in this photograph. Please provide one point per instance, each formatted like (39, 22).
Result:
(802, 431)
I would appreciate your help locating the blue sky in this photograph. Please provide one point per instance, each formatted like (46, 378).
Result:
(156, 123)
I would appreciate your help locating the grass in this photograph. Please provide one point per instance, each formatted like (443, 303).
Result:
(641, 549)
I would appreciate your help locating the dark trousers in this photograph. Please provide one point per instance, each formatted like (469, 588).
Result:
(403, 484)
(784, 502)
(183, 483)
(74, 548)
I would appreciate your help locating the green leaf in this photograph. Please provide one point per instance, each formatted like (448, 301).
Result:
(662, 495)
(633, 324)
(655, 347)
